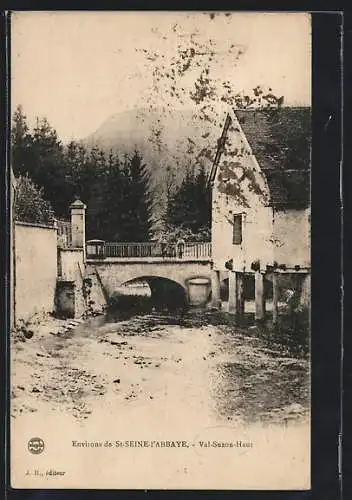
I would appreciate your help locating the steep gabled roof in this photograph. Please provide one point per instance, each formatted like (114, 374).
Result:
(280, 140)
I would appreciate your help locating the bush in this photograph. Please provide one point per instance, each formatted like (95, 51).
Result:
(172, 234)
(30, 204)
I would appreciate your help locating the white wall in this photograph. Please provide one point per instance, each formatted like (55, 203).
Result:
(267, 236)
(35, 269)
(257, 225)
(292, 231)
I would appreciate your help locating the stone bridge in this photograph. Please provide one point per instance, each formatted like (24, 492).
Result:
(170, 279)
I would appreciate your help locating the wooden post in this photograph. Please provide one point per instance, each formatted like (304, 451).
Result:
(259, 296)
(275, 298)
(215, 290)
(233, 292)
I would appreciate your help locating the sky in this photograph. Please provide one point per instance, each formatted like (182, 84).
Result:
(78, 68)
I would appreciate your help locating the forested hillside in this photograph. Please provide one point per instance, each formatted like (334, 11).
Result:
(124, 202)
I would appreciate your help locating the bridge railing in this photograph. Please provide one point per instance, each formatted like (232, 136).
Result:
(189, 250)
(198, 250)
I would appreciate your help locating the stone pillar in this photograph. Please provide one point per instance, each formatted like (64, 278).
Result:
(78, 225)
(215, 290)
(198, 291)
(275, 298)
(236, 298)
(240, 294)
(232, 292)
(259, 296)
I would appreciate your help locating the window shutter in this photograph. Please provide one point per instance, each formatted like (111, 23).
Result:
(237, 229)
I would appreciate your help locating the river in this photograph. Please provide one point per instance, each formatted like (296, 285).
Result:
(158, 375)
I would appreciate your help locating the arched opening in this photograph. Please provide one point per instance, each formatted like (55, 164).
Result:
(151, 293)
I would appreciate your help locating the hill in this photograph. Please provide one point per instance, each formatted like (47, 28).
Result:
(170, 141)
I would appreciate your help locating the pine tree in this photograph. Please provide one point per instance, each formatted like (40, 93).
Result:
(74, 158)
(117, 195)
(189, 208)
(21, 142)
(180, 210)
(202, 200)
(113, 206)
(137, 203)
(49, 169)
(94, 193)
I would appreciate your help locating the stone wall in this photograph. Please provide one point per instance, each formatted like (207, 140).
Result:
(35, 269)
(70, 299)
(71, 263)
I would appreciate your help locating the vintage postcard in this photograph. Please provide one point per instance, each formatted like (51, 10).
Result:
(160, 235)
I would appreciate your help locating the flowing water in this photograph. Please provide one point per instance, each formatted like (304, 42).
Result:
(187, 376)
(242, 373)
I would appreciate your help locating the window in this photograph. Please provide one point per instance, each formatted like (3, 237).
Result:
(237, 230)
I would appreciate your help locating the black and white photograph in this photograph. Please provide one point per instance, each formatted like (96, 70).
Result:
(160, 167)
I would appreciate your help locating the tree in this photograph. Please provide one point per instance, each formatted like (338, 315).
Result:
(21, 141)
(180, 210)
(40, 155)
(112, 185)
(118, 199)
(137, 203)
(50, 170)
(190, 208)
(30, 204)
(202, 200)
(75, 157)
(94, 187)
(190, 73)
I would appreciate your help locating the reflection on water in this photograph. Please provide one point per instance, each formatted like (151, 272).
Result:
(267, 391)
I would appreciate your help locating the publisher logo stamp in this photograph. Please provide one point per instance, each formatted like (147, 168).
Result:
(36, 445)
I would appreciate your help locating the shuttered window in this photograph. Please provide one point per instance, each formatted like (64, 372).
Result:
(237, 229)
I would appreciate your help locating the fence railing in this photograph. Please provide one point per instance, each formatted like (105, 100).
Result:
(189, 250)
(64, 235)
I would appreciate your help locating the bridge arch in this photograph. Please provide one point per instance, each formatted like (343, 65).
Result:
(154, 276)
(175, 275)
(165, 292)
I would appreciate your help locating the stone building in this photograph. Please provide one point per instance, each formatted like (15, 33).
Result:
(260, 182)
